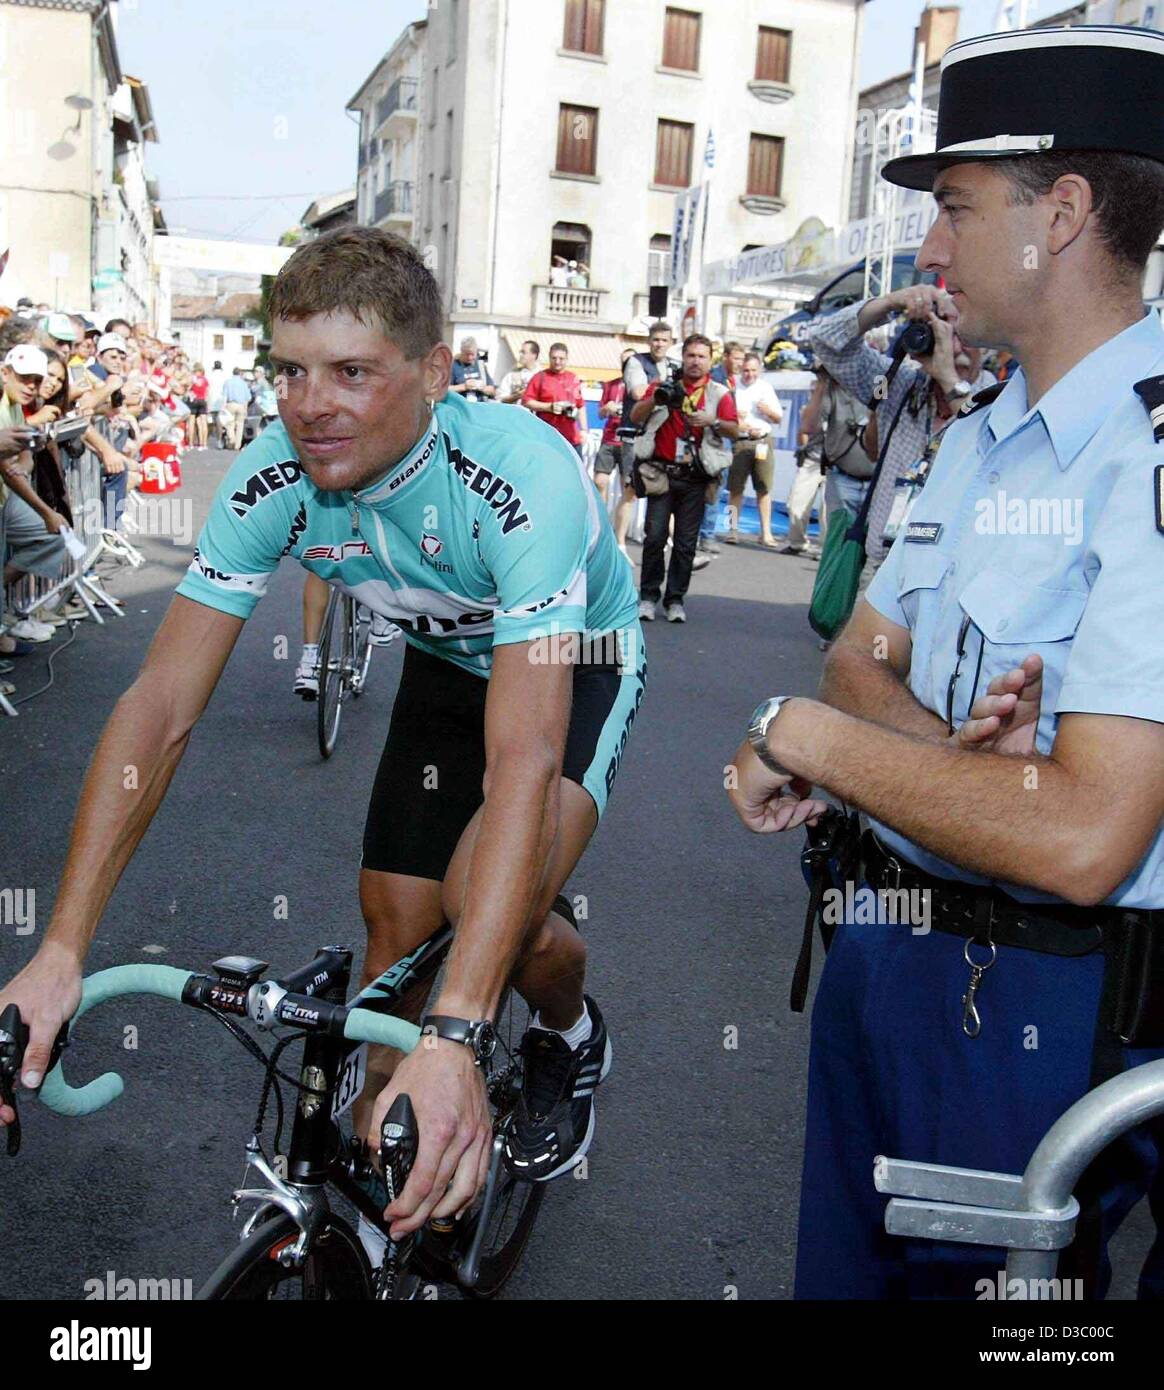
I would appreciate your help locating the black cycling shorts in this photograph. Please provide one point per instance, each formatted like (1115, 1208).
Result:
(429, 783)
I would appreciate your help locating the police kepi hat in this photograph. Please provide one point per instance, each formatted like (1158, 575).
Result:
(1093, 87)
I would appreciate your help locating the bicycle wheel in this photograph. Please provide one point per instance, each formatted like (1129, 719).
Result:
(335, 1268)
(516, 1203)
(329, 702)
(361, 627)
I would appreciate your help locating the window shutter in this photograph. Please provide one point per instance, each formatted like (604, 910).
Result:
(673, 153)
(772, 54)
(584, 25)
(577, 139)
(681, 40)
(765, 161)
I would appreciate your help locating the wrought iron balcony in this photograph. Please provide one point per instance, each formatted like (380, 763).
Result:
(394, 202)
(401, 96)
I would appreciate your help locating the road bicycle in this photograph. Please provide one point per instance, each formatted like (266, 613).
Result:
(295, 1245)
(345, 653)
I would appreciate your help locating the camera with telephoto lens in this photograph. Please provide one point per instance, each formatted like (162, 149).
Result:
(671, 393)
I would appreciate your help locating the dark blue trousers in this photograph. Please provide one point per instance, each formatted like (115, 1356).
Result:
(891, 1072)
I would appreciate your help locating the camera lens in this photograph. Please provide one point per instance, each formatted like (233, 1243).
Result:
(917, 338)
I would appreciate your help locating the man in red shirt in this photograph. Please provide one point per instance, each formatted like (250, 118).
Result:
(556, 395)
(610, 413)
(687, 431)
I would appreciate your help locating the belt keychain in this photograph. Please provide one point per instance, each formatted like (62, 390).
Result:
(971, 1020)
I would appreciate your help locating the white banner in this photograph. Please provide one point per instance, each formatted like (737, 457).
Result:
(683, 235)
(239, 257)
(822, 251)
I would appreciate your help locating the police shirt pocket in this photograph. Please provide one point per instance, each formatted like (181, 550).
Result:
(1007, 609)
(922, 571)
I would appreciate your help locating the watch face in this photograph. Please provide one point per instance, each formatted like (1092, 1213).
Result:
(484, 1040)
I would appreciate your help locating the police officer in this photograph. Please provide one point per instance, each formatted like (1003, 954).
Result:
(996, 703)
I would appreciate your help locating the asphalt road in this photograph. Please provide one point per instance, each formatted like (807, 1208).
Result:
(693, 928)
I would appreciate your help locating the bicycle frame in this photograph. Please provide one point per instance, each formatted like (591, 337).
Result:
(314, 1158)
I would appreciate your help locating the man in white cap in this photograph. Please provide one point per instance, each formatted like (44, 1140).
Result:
(30, 541)
(996, 703)
(112, 352)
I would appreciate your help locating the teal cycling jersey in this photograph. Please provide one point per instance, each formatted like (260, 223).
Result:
(488, 532)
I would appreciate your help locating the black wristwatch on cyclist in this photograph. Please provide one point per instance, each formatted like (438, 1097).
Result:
(480, 1036)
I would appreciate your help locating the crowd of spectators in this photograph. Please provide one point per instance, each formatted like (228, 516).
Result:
(76, 393)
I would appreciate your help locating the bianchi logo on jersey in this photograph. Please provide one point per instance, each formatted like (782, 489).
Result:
(493, 488)
(349, 550)
(415, 466)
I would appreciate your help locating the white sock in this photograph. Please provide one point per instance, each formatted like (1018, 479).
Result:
(310, 651)
(373, 1242)
(574, 1036)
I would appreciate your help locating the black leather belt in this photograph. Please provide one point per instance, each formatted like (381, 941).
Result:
(979, 910)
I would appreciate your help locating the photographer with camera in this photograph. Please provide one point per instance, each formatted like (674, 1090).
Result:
(929, 389)
(556, 395)
(689, 423)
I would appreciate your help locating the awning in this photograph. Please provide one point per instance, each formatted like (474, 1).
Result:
(592, 355)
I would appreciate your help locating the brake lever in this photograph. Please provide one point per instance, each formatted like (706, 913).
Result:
(14, 1036)
(399, 1138)
(13, 1041)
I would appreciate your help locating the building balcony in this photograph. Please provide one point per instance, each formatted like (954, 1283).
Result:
(396, 112)
(552, 302)
(744, 322)
(768, 90)
(394, 204)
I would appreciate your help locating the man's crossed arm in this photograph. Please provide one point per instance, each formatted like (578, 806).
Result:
(1075, 828)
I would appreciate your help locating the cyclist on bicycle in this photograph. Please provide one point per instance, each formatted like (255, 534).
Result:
(477, 531)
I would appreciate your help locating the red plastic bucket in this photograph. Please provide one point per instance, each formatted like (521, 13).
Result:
(160, 467)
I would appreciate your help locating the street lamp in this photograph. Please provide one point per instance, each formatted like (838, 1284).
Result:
(63, 148)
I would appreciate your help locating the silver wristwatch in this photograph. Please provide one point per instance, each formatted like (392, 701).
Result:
(758, 733)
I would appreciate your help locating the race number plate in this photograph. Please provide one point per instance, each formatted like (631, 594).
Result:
(351, 1081)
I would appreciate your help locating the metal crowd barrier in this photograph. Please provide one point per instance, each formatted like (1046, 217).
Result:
(1033, 1215)
(96, 532)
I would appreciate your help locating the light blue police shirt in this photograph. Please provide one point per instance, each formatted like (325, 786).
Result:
(1041, 526)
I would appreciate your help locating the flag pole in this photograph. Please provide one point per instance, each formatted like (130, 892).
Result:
(708, 166)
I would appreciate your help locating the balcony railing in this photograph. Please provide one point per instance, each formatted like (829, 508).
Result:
(394, 201)
(555, 302)
(745, 321)
(401, 96)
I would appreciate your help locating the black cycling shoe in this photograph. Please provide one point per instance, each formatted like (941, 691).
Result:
(553, 1122)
